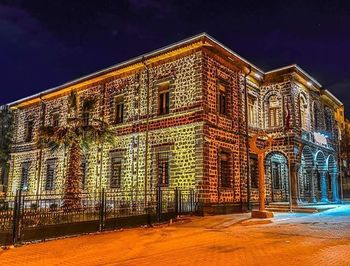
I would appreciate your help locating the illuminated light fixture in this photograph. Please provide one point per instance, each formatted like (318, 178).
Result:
(257, 75)
(320, 139)
(309, 83)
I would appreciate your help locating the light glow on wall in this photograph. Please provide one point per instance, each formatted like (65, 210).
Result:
(320, 139)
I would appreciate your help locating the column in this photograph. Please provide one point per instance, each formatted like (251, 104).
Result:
(335, 187)
(324, 193)
(313, 198)
(294, 184)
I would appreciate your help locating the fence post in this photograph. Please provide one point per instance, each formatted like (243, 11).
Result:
(176, 199)
(16, 230)
(180, 201)
(159, 203)
(191, 200)
(102, 210)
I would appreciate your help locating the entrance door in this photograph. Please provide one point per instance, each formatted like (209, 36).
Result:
(276, 178)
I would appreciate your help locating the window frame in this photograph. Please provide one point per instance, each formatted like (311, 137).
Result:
(303, 109)
(29, 131)
(50, 183)
(222, 95)
(119, 101)
(274, 111)
(55, 119)
(86, 118)
(163, 159)
(276, 180)
(316, 118)
(163, 97)
(24, 178)
(328, 119)
(252, 118)
(225, 171)
(115, 181)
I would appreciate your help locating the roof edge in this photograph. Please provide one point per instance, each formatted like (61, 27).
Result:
(112, 68)
(131, 61)
(333, 97)
(298, 68)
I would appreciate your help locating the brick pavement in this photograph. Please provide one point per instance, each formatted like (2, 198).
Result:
(218, 240)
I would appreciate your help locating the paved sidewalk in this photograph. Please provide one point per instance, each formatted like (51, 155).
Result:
(290, 239)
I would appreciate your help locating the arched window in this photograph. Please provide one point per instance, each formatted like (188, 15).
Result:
(316, 111)
(274, 110)
(328, 119)
(252, 111)
(303, 112)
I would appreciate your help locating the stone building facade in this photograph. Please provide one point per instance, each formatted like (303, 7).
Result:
(344, 153)
(182, 117)
(293, 108)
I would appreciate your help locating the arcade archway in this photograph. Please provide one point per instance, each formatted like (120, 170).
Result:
(276, 168)
(305, 175)
(320, 177)
(332, 177)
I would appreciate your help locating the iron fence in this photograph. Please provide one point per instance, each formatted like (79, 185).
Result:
(23, 216)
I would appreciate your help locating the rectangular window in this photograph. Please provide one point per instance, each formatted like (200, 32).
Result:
(273, 118)
(222, 100)
(164, 99)
(251, 111)
(86, 119)
(116, 172)
(163, 168)
(276, 174)
(55, 119)
(254, 171)
(84, 169)
(29, 131)
(24, 177)
(50, 174)
(119, 110)
(224, 164)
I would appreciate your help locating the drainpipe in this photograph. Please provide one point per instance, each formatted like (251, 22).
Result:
(15, 142)
(247, 135)
(43, 113)
(100, 146)
(147, 129)
(340, 170)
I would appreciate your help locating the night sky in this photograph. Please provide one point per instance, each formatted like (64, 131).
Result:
(47, 43)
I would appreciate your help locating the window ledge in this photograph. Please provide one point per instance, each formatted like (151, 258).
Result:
(226, 188)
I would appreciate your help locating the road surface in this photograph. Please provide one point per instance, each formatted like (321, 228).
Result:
(288, 239)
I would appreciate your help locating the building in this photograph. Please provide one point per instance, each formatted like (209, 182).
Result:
(5, 141)
(345, 155)
(182, 117)
(300, 115)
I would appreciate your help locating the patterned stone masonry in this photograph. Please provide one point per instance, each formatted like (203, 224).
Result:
(221, 132)
(180, 130)
(307, 115)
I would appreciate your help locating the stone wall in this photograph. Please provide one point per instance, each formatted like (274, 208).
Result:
(180, 130)
(221, 132)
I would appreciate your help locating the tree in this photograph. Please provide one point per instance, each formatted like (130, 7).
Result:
(6, 130)
(76, 134)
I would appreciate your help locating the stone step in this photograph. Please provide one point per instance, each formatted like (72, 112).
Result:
(294, 209)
